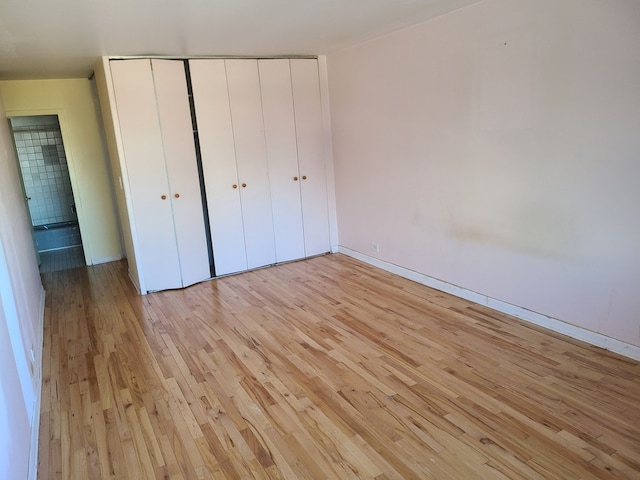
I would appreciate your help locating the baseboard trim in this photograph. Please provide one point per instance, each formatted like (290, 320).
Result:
(578, 333)
(35, 419)
(112, 258)
(35, 434)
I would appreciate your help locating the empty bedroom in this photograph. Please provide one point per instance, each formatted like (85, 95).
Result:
(326, 240)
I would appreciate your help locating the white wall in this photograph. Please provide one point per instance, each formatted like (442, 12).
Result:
(497, 148)
(15, 427)
(21, 328)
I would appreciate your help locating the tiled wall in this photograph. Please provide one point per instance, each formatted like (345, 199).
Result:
(45, 173)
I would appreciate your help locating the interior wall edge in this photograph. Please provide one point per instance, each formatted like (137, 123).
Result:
(328, 150)
(578, 333)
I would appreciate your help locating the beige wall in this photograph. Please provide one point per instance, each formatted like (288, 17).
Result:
(73, 101)
(497, 148)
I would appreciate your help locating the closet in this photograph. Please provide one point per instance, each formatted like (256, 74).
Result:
(261, 137)
(234, 158)
(221, 161)
(311, 160)
(295, 149)
(160, 173)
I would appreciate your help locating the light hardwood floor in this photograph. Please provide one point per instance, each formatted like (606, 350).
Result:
(325, 368)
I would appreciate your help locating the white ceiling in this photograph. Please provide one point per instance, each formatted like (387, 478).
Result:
(63, 38)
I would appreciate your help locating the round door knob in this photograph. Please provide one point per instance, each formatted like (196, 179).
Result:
(235, 186)
(163, 197)
(177, 195)
(304, 177)
(244, 185)
(295, 179)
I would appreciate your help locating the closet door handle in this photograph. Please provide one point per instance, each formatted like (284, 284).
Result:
(295, 179)
(235, 186)
(244, 185)
(177, 195)
(163, 197)
(304, 177)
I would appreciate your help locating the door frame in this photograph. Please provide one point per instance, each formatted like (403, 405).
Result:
(68, 151)
(24, 192)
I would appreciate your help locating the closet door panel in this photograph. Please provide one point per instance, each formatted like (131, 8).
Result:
(210, 93)
(311, 160)
(282, 155)
(251, 156)
(181, 165)
(146, 174)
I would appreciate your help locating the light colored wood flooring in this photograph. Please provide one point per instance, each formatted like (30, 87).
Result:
(325, 368)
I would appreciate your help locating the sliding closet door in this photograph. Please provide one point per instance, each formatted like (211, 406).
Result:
(210, 93)
(282, 154)
(148, 187)
(182, 169)
(310, 141)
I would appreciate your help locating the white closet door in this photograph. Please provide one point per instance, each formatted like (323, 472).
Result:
(181, 166)
(282, 155)
(251, 156)
(210, 93)
(152, 220)
(309, 134)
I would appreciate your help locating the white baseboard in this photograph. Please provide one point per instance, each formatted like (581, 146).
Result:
(35, 433)
(593, 338)
(35, 419)
(112, 258)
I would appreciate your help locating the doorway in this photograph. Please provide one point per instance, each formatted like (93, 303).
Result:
(48, 191)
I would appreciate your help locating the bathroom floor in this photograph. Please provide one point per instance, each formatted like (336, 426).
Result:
(60, 247)
(61, 259)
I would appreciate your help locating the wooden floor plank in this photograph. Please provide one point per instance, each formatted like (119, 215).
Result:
(325, 368)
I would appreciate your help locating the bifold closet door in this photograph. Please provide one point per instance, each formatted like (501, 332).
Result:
(310, 141)
(251, 156)
(282, 154)
(174, 113)
(231, 130)
(211, 99)
(159, 157)
(145, 166)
